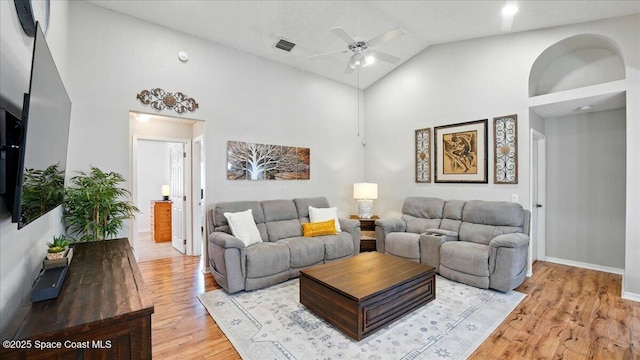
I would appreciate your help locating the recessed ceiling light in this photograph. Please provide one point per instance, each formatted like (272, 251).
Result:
(585, 107)
(509, 9)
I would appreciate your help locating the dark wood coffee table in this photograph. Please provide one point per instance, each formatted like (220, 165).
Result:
(361, 294)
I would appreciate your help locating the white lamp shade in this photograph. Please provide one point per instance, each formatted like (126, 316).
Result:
(165, 190)
(366, 191)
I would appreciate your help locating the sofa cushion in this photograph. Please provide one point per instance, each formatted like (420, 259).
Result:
(484, 220)
(497, 213)
(483, 234)
(220, 221)
(337, 246)
(418, 225)
(302, 205)
(267, 258)
(243, 227)
(467, 257)
(283, 229)
(405, 245)
(276, 210)
(452, 215)
(423, 207)
(304, 251)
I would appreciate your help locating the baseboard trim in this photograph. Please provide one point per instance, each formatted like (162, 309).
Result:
(584, 265)
(630, 296)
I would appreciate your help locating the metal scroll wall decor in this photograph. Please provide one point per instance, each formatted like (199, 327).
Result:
(250, 161)
(160, 100)
(423, 155)
(505, 149)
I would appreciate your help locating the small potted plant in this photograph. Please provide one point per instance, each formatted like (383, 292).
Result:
(58, 247)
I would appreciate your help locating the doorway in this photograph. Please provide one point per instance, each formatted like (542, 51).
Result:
(162, 163)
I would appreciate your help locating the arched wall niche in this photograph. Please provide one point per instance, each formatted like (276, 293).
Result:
(575, 62)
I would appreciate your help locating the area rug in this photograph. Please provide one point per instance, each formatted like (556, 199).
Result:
(272, 324)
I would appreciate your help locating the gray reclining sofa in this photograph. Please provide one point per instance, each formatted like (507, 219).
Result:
(283, 250)
(479, 243)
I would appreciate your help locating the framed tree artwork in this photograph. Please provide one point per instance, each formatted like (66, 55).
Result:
(460, 152)
(423, 155)
(505, 149)
(251, 161)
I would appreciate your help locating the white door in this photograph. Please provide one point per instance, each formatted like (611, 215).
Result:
(538, 195)
(178, 239)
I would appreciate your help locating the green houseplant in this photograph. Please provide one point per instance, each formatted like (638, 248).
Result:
(96, 205)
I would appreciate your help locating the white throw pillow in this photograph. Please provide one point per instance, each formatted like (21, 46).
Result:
(244, 227)
(324, 214)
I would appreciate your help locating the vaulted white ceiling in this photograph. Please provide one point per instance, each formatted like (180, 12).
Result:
(255, 26)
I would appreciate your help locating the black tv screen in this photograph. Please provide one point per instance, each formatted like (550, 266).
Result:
(43, 154)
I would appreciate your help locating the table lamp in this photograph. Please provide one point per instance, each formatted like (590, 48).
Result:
(365, 193)
(165, 192)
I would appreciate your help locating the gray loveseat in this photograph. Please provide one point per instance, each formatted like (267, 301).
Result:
(283, 250)
(479, 243)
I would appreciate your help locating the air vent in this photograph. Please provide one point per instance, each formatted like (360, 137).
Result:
(285, 45)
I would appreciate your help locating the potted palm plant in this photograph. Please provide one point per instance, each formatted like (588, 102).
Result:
(96, 206)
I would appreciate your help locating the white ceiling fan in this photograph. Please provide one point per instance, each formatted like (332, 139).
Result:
(363, 55)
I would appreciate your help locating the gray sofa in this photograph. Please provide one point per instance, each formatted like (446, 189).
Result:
(284, 250)
(479, 243)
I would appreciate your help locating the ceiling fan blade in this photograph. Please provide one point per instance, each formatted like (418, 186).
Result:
(343, 35)
(329, 53)
(384, 57)
(389, 35)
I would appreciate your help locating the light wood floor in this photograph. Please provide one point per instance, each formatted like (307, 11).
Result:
(569, 313)
(148, 249)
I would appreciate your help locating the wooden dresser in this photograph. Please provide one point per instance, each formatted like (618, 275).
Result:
(103, 311)
(161, 220)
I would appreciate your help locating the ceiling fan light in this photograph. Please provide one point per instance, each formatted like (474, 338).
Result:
(510, 9)
(370, 59)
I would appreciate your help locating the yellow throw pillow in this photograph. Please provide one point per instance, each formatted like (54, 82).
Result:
(319, 228)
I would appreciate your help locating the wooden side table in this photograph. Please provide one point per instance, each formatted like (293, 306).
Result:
(367, 232)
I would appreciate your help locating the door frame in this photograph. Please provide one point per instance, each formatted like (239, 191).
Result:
(538, 232)
(187, 190)
(198, 210)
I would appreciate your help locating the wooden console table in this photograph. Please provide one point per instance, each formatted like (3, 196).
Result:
(103, 311)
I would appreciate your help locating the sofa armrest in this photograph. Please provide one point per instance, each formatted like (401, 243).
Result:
(228, 261)
(512, 240)
(430, 248)
(386, 226)
(391, 225)
(225, 241)
(508, 255)
(348, 225)
(451, 235)
(352, 226)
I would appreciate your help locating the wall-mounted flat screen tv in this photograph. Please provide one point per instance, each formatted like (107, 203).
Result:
(42, 158)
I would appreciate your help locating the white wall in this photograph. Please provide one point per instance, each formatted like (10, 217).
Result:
(22, 251)
(153, 172)
(586, 210)
(486, 78)
(241, 97)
